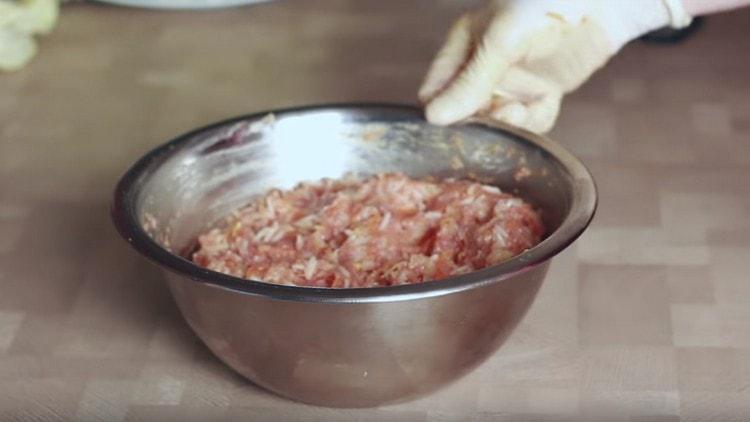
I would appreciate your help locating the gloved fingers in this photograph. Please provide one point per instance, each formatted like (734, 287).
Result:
(523, 85)
(540, 96)
(527, 100)
(542, 114)
(29, 16)
(472, 89)
(454, 53)
(16, 49)
(509, 111)
(41, 15)
(536, 116)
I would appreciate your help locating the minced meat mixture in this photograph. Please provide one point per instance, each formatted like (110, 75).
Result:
(380, 231)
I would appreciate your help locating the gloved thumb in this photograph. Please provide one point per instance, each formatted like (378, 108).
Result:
(526, 100)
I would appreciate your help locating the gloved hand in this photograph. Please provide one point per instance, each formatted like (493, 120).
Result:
(20, 20)
(514, 60)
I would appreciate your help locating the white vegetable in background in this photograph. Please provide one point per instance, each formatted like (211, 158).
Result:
(515, 59)
(20, 21)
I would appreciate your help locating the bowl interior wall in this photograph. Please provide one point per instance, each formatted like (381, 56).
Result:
(223, 168)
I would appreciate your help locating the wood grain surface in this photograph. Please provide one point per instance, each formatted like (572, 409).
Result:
(645, 318)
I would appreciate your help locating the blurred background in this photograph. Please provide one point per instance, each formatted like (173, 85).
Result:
(647, 316)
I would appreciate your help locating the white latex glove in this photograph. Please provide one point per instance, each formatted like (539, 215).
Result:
(19, 22)
(514, 60)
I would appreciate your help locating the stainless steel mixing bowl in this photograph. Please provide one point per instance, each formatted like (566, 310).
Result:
(346, 347)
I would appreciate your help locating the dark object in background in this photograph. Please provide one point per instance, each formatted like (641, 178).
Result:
(671, 35)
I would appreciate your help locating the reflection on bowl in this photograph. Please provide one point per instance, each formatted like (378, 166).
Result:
(346, 347)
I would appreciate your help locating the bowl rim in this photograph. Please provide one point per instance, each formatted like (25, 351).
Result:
(582, 210)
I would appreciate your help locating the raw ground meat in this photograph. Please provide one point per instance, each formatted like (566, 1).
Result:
(380, 231)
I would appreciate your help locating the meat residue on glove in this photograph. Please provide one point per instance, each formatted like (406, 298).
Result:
(380, 231)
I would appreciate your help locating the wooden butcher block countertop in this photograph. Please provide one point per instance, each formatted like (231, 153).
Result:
(645, 318)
